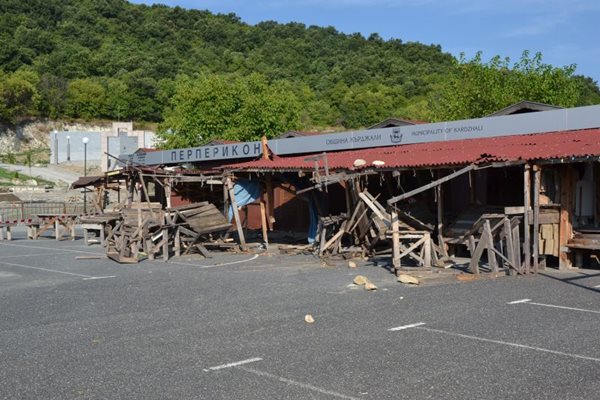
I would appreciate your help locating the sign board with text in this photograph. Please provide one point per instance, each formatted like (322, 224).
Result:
(531, 123)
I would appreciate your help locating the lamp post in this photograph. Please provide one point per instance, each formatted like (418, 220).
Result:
(85, 141)
(68, 148)
(55, 146)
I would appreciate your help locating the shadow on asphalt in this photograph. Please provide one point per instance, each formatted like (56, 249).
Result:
(571, 280)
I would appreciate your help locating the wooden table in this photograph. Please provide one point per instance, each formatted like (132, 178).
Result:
(56, 221)
(6, 230)
(103, 224)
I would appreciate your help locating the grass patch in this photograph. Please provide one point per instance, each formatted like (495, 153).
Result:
(7, 176)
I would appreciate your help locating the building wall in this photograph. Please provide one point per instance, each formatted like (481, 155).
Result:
(67, 146)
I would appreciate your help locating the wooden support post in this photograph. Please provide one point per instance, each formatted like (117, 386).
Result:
(395, 241)
(517, 247)
(527, 206)
(476, 253)
(427, 251)
(440, 218)
(492, 261)
(567, 191)
(510, 248)
(536, 216)
(322, 238)
(57, 234)
(71, 223)
(270, 202)
(236, 215)
(263, 222)
(167, 186)
(165, 247)
(265, 147)
(130, 189)
(225, 199)
(177, 242)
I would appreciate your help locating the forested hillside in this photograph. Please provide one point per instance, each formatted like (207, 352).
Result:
(93, 59)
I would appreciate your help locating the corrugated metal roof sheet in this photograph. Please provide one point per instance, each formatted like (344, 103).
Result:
(553, 145)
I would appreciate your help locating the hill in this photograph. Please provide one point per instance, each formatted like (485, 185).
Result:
(112, 59)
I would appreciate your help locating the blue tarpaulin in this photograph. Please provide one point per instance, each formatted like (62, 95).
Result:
(245, 192)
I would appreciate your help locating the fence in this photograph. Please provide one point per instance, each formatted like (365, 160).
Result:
(28, 210)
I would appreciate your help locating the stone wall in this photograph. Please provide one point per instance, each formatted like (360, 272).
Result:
(36, 133)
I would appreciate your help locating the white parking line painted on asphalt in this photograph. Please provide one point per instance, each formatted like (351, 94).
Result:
(254, 257)
(296, 383)
(528, 301)
(522, 346)
(233, 364)
(401, 328)
(597, 286)
(35, 255)
(49, 248)
(45, 269)
(86, 277)
(99, 277)
(519, 301)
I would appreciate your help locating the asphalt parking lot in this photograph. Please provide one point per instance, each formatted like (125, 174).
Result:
(232, 327)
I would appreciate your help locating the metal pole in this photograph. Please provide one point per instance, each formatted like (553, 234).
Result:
(55, 147)
(68, 148)
(84, 174)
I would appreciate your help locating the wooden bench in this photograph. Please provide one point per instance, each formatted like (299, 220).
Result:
(6, 230)
(96, 227)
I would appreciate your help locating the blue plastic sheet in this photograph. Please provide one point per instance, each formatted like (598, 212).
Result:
(245, 192)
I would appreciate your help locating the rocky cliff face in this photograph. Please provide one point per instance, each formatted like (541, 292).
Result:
(32, 134)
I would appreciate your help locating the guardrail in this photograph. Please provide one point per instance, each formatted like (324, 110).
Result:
(20, 212)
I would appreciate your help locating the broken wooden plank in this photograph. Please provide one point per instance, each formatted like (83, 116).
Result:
(447, 178)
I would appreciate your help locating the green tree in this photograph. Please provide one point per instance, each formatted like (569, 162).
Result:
(475, 88)
(228, 107)
(364, 105)
(19, 96)
(53, 96)
(118, 100)
(86, 99)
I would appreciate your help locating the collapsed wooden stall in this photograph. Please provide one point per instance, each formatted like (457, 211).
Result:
(162, 214)
(499, 204)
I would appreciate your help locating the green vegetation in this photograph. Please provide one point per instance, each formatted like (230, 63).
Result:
(8, 178)
(109, 59)
(28, 157)
(475, 88)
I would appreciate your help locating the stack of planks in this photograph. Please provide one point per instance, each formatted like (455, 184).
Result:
(372, 230)
(146, 230)
(139, 233)
(195, 226)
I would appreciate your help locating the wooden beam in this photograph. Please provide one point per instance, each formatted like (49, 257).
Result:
(567, 189)
(536, 216)
(527, 206)
(270, 202)
(440, 217)
(265, 147)
(373, 207)
(492, 261)
(167, 187)
(396, 259)
(236, 215)
(263, 222)
(432, 184)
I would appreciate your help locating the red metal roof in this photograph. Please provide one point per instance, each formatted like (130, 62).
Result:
(554, 145)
